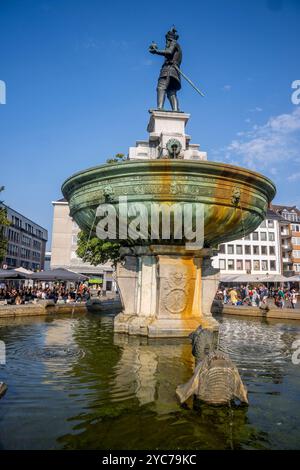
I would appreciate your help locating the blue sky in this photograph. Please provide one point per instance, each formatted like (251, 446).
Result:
(80, 81)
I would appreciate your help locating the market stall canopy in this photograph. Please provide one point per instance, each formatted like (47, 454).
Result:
(23, 270)
(239, 278)
(242, 278)
(273, 278)
(7, 274)
(59, 274)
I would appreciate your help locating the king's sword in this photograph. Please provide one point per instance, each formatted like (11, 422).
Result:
(188, 80)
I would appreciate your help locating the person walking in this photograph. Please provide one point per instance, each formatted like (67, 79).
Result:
(281, 296)
(233, 296)
(293, 298)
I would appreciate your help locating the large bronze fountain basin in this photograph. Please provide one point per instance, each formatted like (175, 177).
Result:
(235, 200)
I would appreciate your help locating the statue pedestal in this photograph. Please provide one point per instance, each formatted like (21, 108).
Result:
(166, 128)
(166, 291)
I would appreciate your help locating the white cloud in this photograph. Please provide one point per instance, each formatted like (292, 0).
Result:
(227, 87)
(274, 171)
(256, 110)
(277, 140)
(294, 177)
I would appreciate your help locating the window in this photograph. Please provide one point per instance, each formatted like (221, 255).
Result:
(272, 265)
(109, 285)
(247, 237)
(25, 253)
(264, 250)
(271, 236)
(264, 265)
(222, 264)
(271, 223)
(247, 249)
(36, 244)
(292, 216)
(255, 236)
(263, 236)
(39, 233)
(296, 253)
(296, 240)
(272, 250)
(256, 250)
(222, 248)
(230, 265)
(295, 228)
(12, 250)
(26, 240)
(256, 265)
(263, 224)
(230, 249)
(239, 264)
(239, 249)
(248, 265)
(297, 267)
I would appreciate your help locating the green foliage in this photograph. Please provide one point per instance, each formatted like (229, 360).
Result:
(96, 251)
(119, 157)
(4, 222)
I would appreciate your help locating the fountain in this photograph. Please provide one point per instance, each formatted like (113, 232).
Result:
(165, 277)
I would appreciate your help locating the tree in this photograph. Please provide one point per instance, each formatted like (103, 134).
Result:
(96, 251)
(4, 222)
(119, 157)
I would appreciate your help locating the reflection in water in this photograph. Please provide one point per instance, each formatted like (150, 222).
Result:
(136, 370)
(73, 384)
(151, 366)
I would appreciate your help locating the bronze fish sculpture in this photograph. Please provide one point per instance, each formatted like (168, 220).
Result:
(216, 381)
(204, 341)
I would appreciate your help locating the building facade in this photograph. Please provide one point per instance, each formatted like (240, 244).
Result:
(26, 242)
(258, 253)
(290, 238)
(64, 245)
(47, 266)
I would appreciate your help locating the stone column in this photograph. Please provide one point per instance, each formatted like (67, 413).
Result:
(164, 292)
(104, 282)
(210, 282)
(127, 273)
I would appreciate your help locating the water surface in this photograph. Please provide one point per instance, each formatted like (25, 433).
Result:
(73, 384)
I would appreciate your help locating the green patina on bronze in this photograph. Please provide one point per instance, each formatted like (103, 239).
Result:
(235, 199)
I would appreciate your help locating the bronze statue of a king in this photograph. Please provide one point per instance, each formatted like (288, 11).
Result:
(169, 81)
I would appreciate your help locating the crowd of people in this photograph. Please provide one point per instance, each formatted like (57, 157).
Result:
(59, 293)
(258, 296)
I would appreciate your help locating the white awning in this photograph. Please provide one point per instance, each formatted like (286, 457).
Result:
(293, 278)
(242, 278)
(274, 278)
